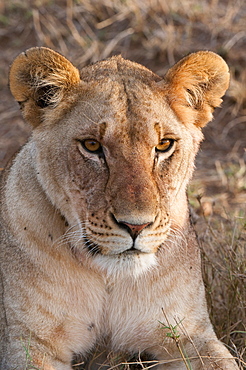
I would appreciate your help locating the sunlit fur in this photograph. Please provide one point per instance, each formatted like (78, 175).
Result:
(97, 248)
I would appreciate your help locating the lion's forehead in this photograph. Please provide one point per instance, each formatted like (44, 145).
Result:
(121, 91)
(125, 105)
(117, 68)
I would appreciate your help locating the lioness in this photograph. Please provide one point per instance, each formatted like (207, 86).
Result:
(97, 250)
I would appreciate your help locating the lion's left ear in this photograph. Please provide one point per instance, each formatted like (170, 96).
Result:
(195, 86)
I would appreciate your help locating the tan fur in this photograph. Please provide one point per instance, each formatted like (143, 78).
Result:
(70, 281)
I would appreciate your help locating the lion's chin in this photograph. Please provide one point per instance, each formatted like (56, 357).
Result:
(122, 265)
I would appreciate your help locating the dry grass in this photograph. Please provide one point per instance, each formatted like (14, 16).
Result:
(223, 249)
(157, 33)
(224, 257)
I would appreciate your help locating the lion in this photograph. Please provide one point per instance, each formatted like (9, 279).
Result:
(98, 253)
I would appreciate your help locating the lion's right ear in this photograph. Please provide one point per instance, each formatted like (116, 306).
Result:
(38, 79)
(196, 85)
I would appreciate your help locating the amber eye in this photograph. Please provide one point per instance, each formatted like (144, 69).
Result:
(92, 145)
(164, 145)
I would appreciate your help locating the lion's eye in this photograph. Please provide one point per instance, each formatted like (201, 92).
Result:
(164, 145)
(92, 146)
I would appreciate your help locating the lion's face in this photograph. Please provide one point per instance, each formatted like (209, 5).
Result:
(114, 156)
(122, 169)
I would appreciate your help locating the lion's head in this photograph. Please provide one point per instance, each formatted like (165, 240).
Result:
(113, 147)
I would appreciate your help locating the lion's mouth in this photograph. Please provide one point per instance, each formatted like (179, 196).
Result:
(132, 251)
(131, 261)
(95, 249)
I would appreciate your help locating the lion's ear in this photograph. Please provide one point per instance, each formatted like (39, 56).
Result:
(195, 86)
(39, 78)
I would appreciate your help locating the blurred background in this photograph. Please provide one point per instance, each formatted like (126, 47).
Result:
(157, 33)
